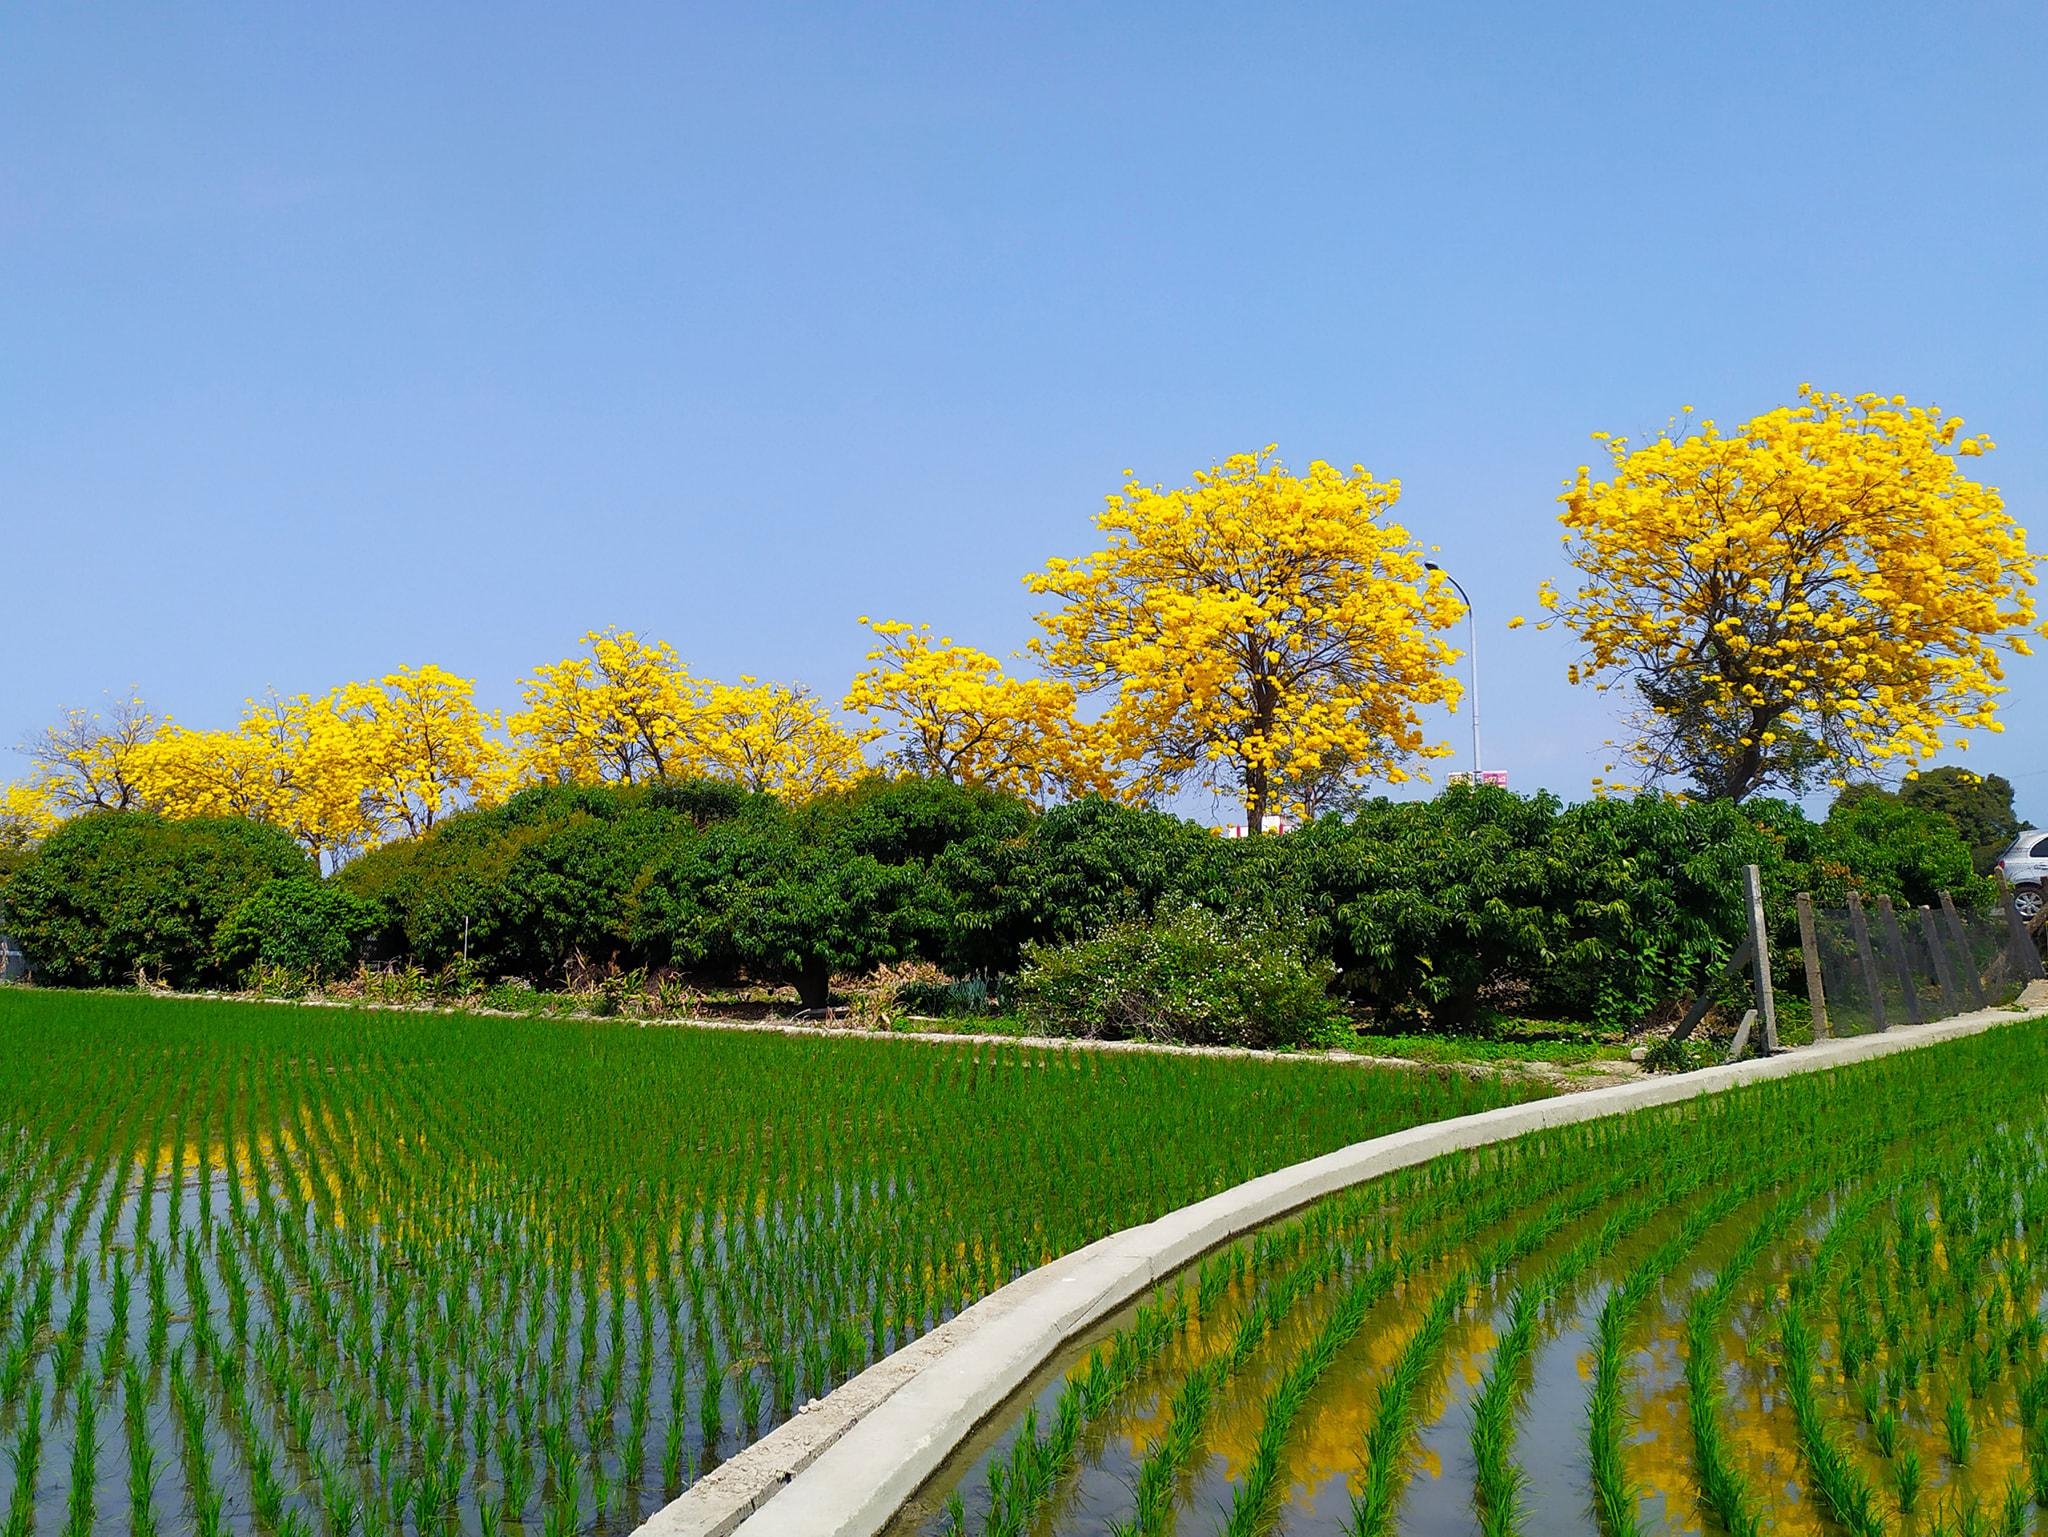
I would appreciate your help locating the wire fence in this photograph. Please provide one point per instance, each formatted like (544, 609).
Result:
(1882, 966)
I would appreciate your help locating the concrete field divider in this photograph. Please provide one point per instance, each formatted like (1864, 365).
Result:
(847, 1463)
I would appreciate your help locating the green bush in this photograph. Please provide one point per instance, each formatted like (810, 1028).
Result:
(532, 885)
(1669, 1056)
(1435, 912)
(1883, 845)
(1188, 975)
(1978, 806)
(313, 930)
(113, 895)
(841, 884)
(1074, 871)
(1647, 901)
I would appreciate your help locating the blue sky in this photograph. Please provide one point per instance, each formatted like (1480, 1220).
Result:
(338, 338)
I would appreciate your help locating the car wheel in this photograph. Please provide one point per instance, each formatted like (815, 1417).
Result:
(2029, 901)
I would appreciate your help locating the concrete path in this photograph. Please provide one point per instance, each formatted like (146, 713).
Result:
(844, 1466)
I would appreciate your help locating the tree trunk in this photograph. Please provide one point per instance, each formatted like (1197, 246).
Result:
(1258, 777)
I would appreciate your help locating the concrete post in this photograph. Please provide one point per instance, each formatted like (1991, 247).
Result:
(1766, 1004)
(1944, 973)
(1809, 952)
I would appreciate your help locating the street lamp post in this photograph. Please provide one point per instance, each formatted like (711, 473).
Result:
(1472, 621)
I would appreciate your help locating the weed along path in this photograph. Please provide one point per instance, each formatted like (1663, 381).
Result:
(1797, 1294)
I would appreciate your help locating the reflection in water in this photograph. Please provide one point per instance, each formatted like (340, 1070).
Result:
(1902, 1263)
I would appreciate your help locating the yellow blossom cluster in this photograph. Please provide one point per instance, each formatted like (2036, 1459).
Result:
(341, 770)
(26, 815)
(1267, 634)
(951, 711)
(630, 712)
(1821, 590)
(369, 761)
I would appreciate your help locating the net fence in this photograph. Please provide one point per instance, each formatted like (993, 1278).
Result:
(1882, 966)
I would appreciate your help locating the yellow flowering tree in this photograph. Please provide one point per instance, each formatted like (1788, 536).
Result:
(630, 712)
(1267, 634)
(85, 762)
(26, 815)
(1815, 594)
(319, 764)
(951, 712)
(422, 746)
(774, 737)
(340, 771)
(622, 715)
(186, 773)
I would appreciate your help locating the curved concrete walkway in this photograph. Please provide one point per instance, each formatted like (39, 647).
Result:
(846, 1464)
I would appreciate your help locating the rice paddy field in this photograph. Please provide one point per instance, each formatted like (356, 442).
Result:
(296, 1271)
(1807, 1307)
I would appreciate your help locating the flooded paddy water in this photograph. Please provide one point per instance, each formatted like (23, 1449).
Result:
(1808, 1307)
(275, 1272)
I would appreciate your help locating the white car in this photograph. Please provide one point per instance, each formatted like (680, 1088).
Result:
(2025, 868)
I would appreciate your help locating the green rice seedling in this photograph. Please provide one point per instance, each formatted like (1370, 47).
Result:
(71, 1346)
(672, 1457)
(1841, 1486)
(1038, 1461)
(1615, 1496)
(710, 1401)
(1256, 1501)
(1722, 1484)
(1955, 1423)
(750, 1402)
(85, 1449)
(1372, 1509)
(28, 1450)
(1907, 1480)
(2012, 1514)
(141, 1454)
(1498, 1480)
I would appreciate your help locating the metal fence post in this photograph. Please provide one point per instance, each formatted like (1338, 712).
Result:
(1965, 956)
(1951, 998)
(1860, 927)
(1766, 1005)
(1809, 950)
(1895, 942)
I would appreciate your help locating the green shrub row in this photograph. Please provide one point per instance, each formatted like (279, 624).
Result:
(1422, 910)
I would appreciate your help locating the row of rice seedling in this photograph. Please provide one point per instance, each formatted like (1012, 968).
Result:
(316, 1273)
(1935, 1336)
(1840, 1274)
